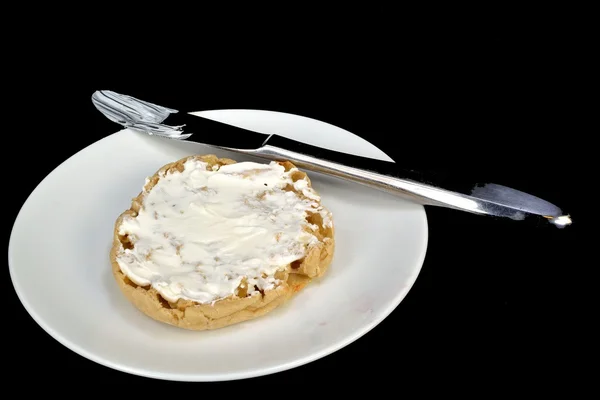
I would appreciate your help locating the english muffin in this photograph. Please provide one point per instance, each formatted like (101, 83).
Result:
(210, 242)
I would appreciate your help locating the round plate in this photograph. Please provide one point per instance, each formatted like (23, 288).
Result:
(59, 262)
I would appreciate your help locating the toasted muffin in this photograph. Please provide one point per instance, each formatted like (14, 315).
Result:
(210, 242)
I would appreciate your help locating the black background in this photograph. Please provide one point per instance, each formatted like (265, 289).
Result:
(497, 301)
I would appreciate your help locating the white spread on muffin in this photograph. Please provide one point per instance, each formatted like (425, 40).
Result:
(200, 232)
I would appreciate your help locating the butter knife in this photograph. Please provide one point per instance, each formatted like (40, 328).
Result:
(484, 199)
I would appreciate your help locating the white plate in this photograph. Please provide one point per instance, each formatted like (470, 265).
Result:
(59, 264)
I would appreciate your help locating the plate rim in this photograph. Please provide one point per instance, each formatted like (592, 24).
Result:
(220, 377)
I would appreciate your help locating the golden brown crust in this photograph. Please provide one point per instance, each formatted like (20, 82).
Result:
(190, 315)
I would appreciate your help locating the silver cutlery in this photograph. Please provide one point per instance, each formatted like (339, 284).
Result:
(487, 199)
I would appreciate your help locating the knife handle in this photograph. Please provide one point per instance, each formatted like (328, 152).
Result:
(388, 168)
(491, 199)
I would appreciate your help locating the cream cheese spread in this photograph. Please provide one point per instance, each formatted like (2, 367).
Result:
(201, 232)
